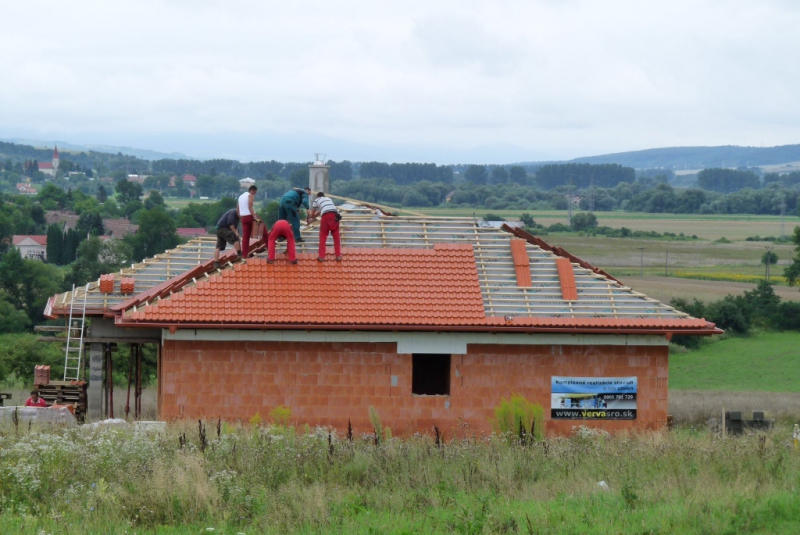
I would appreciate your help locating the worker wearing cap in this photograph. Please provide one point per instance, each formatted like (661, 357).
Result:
(35, 400)
(289, 209)
(329, 224)
(281, 229)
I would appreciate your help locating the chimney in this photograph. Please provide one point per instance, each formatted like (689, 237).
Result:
(319, 175)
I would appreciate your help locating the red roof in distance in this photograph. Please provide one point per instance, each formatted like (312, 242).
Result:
(190, 232)
(19, 238)
(45, 165)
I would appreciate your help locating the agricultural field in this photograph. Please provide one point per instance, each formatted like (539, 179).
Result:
(272, 479)
(759, 372)
(761, 362)
(734, 227)
(667, 288)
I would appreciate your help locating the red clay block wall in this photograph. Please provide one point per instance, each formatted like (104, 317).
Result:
(327, 383)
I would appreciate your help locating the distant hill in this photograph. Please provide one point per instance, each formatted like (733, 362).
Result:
(699, 157)
(144, 154)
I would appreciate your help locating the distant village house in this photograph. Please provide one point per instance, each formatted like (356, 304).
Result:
(24, 188)
(33, 247)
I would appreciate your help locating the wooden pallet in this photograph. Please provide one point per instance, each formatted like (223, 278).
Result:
(65, 393)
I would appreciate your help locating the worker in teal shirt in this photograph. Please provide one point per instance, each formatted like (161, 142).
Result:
(291, 202)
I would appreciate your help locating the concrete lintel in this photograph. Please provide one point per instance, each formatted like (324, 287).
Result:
(105, 328)
(420, 342)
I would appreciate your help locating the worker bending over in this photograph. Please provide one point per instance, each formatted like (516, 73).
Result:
(289, 208)
(329, 224)
(281, 229)
(227, 233)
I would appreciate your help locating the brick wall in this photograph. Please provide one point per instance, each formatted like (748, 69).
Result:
(327, 383)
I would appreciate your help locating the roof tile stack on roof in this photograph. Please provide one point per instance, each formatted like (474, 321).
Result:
(107, 283)
(567, 279)
(522, 263)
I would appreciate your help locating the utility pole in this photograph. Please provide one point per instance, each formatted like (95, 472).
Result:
(641, 261)
(768, 262)
(783, 211)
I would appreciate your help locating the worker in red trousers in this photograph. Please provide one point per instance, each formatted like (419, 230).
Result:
(282, 228)
(35, 400)
(329, 224)
(247, 214)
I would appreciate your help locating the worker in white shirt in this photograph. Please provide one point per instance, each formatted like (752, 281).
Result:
(248, 216)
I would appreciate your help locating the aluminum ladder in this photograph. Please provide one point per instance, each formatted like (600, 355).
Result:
(73, 355)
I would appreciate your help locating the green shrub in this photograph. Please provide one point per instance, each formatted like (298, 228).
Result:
(377, 424)
(281, 415)
(516, 411)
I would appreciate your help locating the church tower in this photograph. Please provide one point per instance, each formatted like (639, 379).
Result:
(55, 159)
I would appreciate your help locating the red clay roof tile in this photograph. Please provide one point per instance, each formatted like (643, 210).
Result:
(371, 287)
(386, 286)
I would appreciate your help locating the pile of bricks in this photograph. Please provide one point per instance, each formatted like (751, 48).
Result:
(107, 284)
(127, 284)
(41, 375)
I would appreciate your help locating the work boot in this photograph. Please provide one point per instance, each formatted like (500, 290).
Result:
(216, 265)
(293, 262)
(270, 261)
(299, 240)
(338, 258)
(320, 259)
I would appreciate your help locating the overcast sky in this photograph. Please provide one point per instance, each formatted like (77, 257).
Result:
(444, 81)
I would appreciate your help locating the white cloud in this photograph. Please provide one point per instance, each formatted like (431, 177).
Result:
(427, 80)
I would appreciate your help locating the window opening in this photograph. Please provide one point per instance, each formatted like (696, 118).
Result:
(430, 374)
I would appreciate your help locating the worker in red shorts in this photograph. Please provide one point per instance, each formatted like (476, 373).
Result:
(281, 228)
(35, 400)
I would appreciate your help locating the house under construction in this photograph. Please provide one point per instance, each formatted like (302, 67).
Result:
(430, 320)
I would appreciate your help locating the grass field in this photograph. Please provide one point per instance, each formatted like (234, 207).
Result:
(761, 362)
(177, 204)
(264, 480)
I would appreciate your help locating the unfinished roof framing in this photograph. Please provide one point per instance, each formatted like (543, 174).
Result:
(597, 296)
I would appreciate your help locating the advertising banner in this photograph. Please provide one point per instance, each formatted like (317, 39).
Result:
(593, 398)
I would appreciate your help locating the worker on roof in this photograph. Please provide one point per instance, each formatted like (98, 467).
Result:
(227, 233)
(329, 224)
(35, 400)
(284, 230)
(244, 207)
(289, 209)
